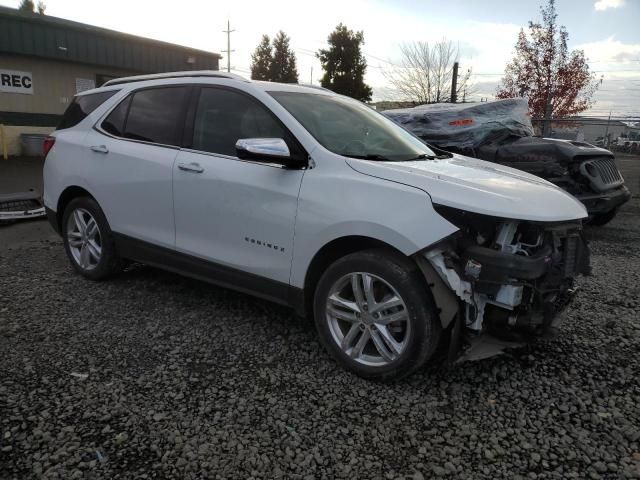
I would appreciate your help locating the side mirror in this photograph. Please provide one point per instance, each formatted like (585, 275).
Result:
(272, 150)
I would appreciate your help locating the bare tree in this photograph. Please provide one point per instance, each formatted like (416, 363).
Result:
(425, 72)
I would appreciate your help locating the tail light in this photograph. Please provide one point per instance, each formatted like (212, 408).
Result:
(47, 145)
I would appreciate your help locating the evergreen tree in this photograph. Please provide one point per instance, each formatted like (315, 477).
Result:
(344, 64)
(261, 60)
(283, 67)
(27, 6)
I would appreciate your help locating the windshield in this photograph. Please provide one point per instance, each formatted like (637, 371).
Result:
(350, 128)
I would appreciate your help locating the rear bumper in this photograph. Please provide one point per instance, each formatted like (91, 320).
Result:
(599, 203)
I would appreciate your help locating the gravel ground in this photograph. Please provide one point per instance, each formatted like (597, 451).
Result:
(155, 376)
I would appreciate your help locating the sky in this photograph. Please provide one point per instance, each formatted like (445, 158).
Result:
(486, 31)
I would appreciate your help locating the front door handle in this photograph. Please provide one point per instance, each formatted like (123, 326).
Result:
(191, 167)
(99, 148)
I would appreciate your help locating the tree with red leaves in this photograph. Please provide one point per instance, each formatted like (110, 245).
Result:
(557, 82)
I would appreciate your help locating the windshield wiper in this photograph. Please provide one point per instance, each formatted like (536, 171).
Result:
(382, 158)
(424, 156)
(369, 156)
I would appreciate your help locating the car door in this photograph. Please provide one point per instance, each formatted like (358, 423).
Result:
(235, 213)
(134, 150)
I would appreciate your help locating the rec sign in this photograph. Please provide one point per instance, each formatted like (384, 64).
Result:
(13, 81)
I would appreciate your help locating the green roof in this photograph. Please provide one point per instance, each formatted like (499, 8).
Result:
(33, 34)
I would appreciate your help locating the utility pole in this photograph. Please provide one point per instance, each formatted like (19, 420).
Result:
(606, 132)
(228, 51)
(311, 82)
(454, 83)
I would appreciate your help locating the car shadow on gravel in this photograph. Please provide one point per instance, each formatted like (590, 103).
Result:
(153, 279)
(292, 332)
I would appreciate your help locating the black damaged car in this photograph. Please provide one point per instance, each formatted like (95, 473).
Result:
(501, 132)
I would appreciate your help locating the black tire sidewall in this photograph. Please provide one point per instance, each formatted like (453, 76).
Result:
(405, 277)
(109, 261)
(603, 218)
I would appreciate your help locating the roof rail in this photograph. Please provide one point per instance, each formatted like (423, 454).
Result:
(317, 87)
(160, 76)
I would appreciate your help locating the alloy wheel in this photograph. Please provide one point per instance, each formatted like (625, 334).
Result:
(367, 319)
(84, 239)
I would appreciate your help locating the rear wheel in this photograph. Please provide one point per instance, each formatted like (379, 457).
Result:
(603, 218)
(375, 315)
(88, 240)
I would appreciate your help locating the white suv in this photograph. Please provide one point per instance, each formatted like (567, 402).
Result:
(316, 201)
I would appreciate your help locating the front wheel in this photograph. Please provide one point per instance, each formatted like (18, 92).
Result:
(375, 315)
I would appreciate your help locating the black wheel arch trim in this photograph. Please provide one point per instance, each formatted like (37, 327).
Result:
(52, 217)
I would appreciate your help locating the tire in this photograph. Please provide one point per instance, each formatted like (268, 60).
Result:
(603, 218)
(346, 323)
(92, 253)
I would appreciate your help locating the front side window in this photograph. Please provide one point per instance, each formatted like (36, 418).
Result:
(224, 116)
(156, 114)
(82, 106)
(350, 128)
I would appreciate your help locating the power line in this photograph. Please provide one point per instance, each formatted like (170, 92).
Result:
(619, 70)
(306, 51)
(594, 71)
(611, 61)
(382, 60)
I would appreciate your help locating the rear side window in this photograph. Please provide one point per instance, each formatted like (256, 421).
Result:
(82, 106)
(156, 115)
(224, 116)
(114, 123)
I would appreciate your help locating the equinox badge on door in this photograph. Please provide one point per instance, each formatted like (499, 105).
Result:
(263, 244)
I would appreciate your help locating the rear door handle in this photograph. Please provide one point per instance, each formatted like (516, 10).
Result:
(99, 149)
(191, 167)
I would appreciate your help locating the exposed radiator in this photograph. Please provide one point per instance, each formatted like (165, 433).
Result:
(570, 247)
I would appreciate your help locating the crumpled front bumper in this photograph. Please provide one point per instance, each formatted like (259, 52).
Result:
(603, 202)
(504, 299)
(489, 344)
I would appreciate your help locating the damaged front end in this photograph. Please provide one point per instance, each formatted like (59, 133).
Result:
(511, 279)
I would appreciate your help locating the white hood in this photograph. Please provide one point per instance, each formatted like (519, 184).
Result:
(482, 187)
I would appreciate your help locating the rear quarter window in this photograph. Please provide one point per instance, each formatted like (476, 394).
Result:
(82, 106)
(114, 123)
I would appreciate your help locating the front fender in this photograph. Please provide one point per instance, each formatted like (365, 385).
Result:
(336, 203)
